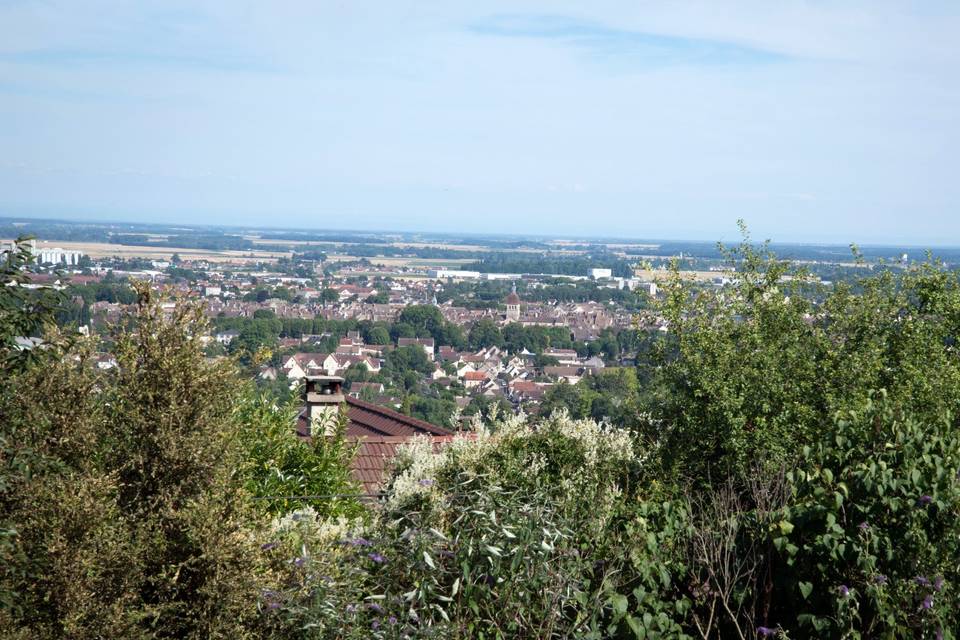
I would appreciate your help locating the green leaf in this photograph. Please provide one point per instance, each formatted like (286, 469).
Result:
(638, 631)
(805, 589)
(619, 603)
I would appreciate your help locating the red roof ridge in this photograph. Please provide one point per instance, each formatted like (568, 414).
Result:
(399, 417)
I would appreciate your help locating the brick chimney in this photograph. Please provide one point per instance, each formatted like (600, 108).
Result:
(323, 396)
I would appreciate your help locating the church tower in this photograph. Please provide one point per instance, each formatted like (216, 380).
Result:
(513, 305)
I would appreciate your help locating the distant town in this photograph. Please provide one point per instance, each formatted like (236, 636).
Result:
(438, 328)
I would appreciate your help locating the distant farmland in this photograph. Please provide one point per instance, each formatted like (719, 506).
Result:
(107, 250)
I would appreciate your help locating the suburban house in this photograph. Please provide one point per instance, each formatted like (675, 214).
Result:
(359, 388)
(426, 343)
(299, 365)
(377, 430)
(571, 374)
(473, 379)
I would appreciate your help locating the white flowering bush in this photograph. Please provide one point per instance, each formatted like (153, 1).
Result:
(512, 533)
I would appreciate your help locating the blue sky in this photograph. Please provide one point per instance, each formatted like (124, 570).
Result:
(812, 120)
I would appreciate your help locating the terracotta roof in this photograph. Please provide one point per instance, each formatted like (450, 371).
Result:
(563, 371)
(374, 455)
(513, 298)
(302, 358)
(368, 419)
(379, 431)
(405, 342)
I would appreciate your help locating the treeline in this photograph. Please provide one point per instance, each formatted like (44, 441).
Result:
(490, 294)
(207, 242)
(264, 329)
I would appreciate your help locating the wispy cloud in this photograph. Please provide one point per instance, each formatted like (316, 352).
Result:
(72, 58)
(612, 44)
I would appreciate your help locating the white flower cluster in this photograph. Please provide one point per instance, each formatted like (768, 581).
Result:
(305, 526)
(601, 442)
(297, 519)
(417, 464)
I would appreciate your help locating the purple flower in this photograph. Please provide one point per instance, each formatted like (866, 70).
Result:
(268, 546)
(351, 608)
(844, 590)
(299, 561)
(880, 579)
(376, 557)
(359, 542)
(922, 581)
(375, 625)
(766, 632)
(939, 635)
(273, 605)
(938, 583)
(924, 500)
(392, 620)
(927, 603)
(864, 527)
(373, 606)
(426, 482)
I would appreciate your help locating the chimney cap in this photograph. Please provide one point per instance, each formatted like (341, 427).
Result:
(323, 378)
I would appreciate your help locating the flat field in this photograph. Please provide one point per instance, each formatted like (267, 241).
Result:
(106, 250)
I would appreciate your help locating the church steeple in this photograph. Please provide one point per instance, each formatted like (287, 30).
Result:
(513, 304)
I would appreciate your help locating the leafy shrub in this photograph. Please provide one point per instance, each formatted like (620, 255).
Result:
(870, 541)
(751, 372)
(133, 524)
(512, 534)
(277, 466)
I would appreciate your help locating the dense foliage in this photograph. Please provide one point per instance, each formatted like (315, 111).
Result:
(785, 462)
(277, 467)
(127, 518)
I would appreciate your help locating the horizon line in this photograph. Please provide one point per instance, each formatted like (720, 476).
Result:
(480, 234)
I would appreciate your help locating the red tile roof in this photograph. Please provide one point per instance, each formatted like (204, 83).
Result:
(368, 419)
(374, 455)
(379, 431)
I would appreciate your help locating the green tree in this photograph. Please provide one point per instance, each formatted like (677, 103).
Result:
(134, 523)
(426, 320)
(754, 370)
(24, 312)
(378, 335)
(485, 333)
(277, 466)
(411, 358)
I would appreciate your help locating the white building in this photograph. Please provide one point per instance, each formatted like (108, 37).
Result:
(635, 284)
(440, 274)
(598, 274)
(56, 255)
